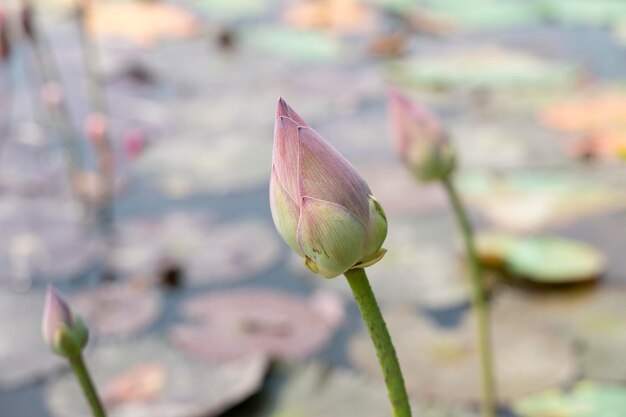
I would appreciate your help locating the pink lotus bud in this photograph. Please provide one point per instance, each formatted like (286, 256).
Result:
(5, 41)
(419, 139)
(134, 142)
(63, 331)
(96, 127)
(320, 205)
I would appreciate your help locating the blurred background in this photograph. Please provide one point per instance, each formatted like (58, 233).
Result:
(135, 151)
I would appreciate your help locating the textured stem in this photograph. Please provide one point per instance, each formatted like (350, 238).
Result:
(385, 350)
(479, 301)
(82, 374)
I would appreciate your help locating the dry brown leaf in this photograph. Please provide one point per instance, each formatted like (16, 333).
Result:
(143, 23)
(336, 15)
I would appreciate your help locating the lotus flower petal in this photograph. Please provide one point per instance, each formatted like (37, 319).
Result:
(326, 175)
(285, 212)
(330, 237)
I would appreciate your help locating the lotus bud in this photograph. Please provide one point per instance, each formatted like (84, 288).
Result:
(419, 139)
(63, 331)
(320, 205)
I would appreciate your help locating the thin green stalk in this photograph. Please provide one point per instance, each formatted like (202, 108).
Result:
(379, 334)
(84, 379)
(479, 301)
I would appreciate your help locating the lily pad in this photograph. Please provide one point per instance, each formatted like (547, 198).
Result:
(587, 399)
(484, 67)
(304, 46)
(224, 165)
(233, 10)
(493, 248)
(24, 357)
(148, 378)
(142, 23)
(442, 364)
(553, 260)
(237, 323)
(118, 310)
(597, 12)
(486, 14)
(43, 239)
(205, 250)
(525, 202)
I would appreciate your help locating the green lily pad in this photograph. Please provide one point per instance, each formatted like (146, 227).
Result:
(442, 364)
(486, 67)
(486, 14)
(523, 201)
(552, 260)
(305, 46)
(587, 399)
(596, 12)
(493, 248)
(233, 10)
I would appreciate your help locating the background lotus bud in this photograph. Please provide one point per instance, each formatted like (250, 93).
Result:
(419, 139)
(320, 205)
(62, 330)
(5, 41)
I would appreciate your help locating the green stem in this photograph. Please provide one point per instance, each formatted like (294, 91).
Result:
(479, 301)
(382, 341)
(78, 365)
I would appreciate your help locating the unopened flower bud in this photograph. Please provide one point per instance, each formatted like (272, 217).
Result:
(63, 331)
(96, 127)
(320, 205)
(419, 139)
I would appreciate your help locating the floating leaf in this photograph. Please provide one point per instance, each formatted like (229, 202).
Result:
(553, 260)
(336, 15)
(443, 364)
(228, 164)
(526, 201)
(206, 251)
(24, 357)
(493, 248)
(486, 67)
(486, 14)
(240, 322)
(304, 46)
(148, 378)
(587, 399)
(597, 12)
(143, 23)
(233, 10)
(43, 239)
(118, 310)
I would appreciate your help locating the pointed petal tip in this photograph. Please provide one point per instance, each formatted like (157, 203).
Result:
(285, 110)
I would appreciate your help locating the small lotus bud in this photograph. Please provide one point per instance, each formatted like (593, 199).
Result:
(134, 142)
(62, 330)
(96, 127)
(5, 41)
(420, 140)
(320, 205)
